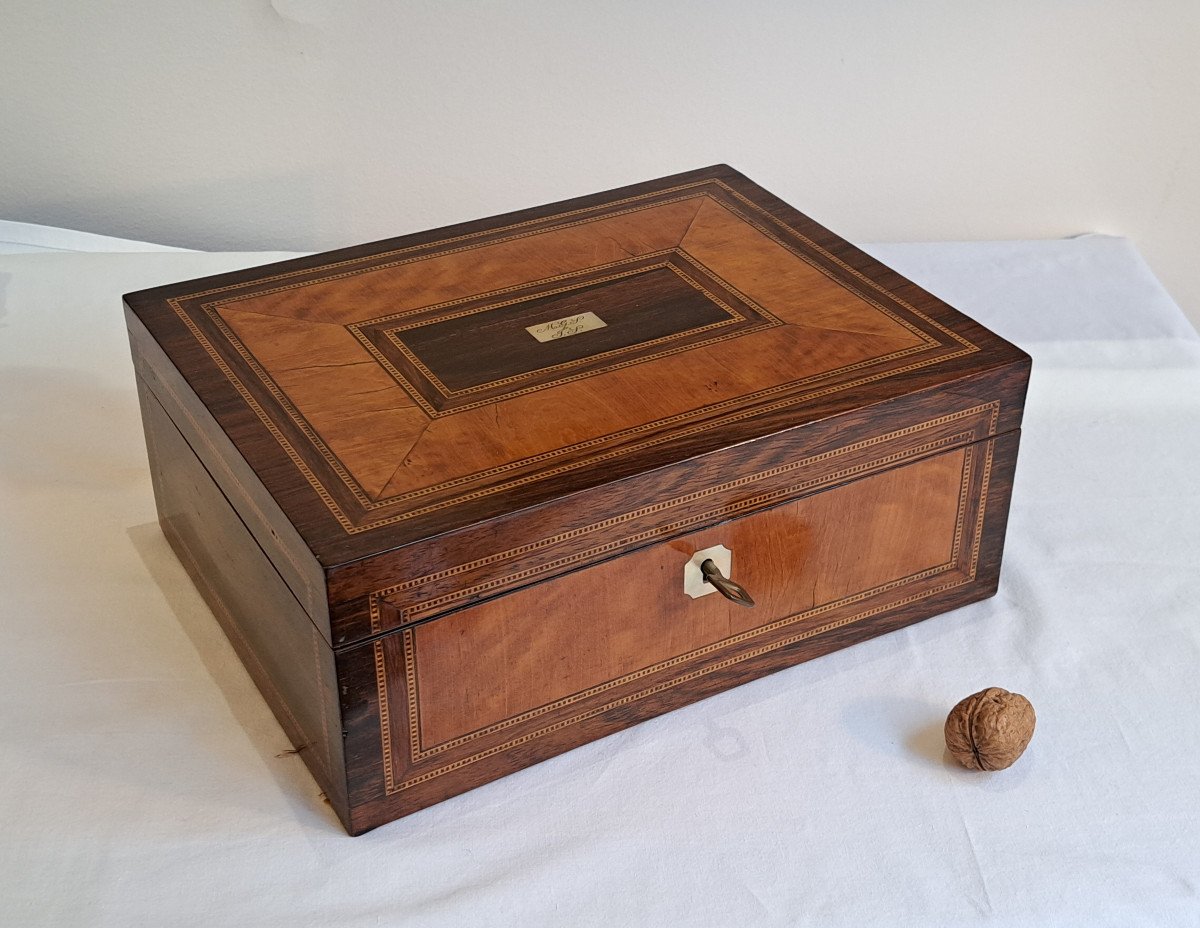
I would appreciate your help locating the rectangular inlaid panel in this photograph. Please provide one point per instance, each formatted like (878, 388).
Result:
(632, 311)
(336, 353)
(500, 676)
(404, 386)
(547, 642)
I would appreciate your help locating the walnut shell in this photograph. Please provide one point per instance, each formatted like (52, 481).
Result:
(990, 730)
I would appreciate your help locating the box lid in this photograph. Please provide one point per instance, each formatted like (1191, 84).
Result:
(400, 390)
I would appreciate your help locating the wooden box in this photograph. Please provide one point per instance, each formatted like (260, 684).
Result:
(453, 495)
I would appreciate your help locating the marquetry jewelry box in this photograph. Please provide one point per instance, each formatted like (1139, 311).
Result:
(465, 499)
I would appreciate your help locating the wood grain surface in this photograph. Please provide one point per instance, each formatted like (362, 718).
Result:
(292, 666)
(447, 549)
(398, 764)
(364, 454)
(486, 664)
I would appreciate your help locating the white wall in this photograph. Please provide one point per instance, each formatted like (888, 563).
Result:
(307, 124)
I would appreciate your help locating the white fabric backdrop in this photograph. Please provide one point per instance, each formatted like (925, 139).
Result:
(144, 782)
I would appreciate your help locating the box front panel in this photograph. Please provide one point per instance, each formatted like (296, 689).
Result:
(465, 697)
(562, 644)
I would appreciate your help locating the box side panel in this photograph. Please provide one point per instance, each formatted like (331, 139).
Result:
(398, 588)
(291, 664)
(830, 570)
(254, 505)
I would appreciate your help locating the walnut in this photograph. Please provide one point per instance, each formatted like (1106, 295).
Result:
(990, 730)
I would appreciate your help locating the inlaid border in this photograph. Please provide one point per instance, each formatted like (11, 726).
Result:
(764, 224)
(420, 752)
(417, 753)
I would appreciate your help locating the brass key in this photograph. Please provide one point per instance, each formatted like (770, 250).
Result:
(734, 592)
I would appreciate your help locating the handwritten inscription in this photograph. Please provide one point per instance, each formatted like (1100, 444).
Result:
(568, 325)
